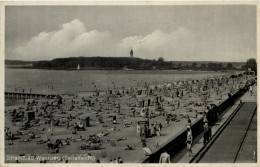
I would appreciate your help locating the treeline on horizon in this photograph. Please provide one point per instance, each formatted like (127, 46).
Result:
(134, 63)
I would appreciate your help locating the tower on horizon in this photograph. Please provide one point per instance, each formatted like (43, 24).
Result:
(131, 53)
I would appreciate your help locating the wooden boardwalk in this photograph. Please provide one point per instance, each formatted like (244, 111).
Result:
(17, 95)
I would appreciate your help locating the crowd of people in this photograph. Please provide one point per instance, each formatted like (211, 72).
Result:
(152, 108)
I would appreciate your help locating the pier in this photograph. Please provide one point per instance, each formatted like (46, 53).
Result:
(16, 95)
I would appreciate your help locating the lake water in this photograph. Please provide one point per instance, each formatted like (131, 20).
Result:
(73, 82)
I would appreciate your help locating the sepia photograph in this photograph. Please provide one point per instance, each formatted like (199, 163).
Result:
(130, 83)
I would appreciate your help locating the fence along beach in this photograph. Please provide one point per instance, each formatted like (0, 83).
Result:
(120, 122)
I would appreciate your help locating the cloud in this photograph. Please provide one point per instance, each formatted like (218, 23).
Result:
(72, 39)
(157, 44)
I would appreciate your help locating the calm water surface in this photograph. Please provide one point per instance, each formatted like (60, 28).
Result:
(73, 82)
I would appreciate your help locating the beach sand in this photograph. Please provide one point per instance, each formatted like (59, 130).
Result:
(108, 109)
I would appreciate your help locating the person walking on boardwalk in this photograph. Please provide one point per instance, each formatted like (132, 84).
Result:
(251, 90)
(165, 158)
(189, 141)
(205, 119)
(205, 133)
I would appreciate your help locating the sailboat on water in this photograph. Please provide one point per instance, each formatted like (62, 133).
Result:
(78, 68)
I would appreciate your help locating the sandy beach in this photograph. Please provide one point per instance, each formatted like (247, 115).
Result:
(114, 116)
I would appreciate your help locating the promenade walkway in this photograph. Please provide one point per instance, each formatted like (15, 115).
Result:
(183, 157)
(227, 145)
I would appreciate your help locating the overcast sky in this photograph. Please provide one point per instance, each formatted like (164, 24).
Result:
(178, 33)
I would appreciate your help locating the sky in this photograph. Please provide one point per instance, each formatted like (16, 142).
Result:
(176, 33)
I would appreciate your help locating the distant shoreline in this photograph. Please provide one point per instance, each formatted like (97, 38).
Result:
(124, 63)
(69, 69)
(116, 69)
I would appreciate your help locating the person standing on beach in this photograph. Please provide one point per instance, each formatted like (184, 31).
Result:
(134, 112)
(119, 108)
(165, 158)
(138, 130)
(68, 124)
(51, 129)
(11, 138)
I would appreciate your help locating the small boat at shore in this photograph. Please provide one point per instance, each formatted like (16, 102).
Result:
(126, 69)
